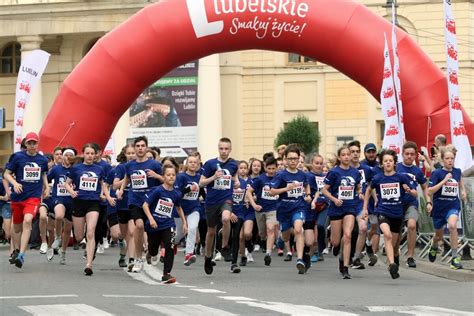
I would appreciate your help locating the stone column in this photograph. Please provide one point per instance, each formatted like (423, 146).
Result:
(33, 119)
(209, 106)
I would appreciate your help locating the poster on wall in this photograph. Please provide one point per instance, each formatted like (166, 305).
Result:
(166, 112)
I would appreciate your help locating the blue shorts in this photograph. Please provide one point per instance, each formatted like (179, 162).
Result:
(321, 221)
(440, 222)
(49, 205)
(310, 215)
(67, 205)
(287, 220)
(6, 211)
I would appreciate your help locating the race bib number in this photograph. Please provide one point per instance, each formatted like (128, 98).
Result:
(266, 194)
(390, 190)
(450, 189)
(223, 183)
(164, 208)
(139, 181)
(88, 184)
(346, 193)
(61, 190)
(191, 195)
(31, 173)
(238, 196)
(296, 192)
(320, 182)
(362, 174)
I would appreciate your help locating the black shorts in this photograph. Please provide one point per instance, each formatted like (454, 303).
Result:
(113, 219)
(309, 225)
(137, 213)
(214, 213)
(68, 207)
(339, 217)
(124, 216)
(394, 223)
(82, 207)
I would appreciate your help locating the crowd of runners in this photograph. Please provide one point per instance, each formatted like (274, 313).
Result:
(225, 209)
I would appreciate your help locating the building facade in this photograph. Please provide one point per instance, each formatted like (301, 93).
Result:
(251, 94)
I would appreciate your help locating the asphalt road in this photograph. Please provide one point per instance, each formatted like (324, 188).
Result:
(47, 288)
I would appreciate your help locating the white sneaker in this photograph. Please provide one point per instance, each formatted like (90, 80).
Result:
(203, 251)
(43, 248)
(62, 257)
(100, 249)
(256, 247)
(325, 251)
(50, 254)
(138, 266)
(218, 256)
(154, 260)
(56, 243)
(106, 243)
(249, 257)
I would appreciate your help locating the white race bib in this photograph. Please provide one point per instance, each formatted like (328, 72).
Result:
(88, 184)
(31, 173)
(139, 181)
(164, 208)
(61, 190)
(191, 195)
(266, 194)
(450, 188)
(320, 182)
(296, 192)
(238, 196)
(346, 193)
(390, 191)
(222, 183)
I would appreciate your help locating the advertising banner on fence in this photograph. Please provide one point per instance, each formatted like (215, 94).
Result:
(166, 112)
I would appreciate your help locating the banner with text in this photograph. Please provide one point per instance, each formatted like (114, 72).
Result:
(396, 74)
(166, 112)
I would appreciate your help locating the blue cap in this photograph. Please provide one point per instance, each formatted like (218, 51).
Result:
(370, 146)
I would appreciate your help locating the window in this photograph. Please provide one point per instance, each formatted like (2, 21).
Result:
(380, 133)
(10, 58)
(299, 59)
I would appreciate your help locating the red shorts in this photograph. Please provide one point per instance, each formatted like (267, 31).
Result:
(20, 209)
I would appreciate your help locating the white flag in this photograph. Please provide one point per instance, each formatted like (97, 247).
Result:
(392, 138)
(396, 75)
(458, 132)
(31, 70)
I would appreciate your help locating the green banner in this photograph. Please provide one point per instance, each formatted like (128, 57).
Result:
(175, 81)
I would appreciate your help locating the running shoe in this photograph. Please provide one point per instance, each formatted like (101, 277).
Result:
(13, 256)
(105, 243)
(208, 268)
(50, 254)
(122, 263)
(300, 266)
(154, 260)
(321, 257)
(62, 258)
(393, 269)
(280, 252)
(357, 264)
(218, 256)
(88, 271)
(326, 251)
(373, 259)
(189, 259)
(432, 254)
(148, 258)
(315, 258)
(243, 261)
(289, 257)
(100, 249)
(168, 279)
(411, 262)
(369, 249)
(131, 264)
(43, 248)
(56, 243)
(84, 256)
(256, 247)
(75, 246)
(226, 254)
(268, 259)
(341, 266)
(335, 250)
(234, 268)
(138, 266)
(456, 263)
(197, 250)
(250, 257)
(345, 273)
(20, 260)
(396, 259)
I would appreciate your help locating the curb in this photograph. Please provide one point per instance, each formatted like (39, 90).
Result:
(442, 271)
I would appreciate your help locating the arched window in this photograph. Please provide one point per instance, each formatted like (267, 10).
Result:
(10, 58)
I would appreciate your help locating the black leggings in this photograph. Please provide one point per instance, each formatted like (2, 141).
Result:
(202, 232)
(165, 236)
(101, 227)
(235, 239)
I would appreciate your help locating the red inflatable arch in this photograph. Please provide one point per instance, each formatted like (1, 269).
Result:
(165, 35)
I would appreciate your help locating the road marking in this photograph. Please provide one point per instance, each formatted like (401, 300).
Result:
(237, 298)
(418, 310)
(185, 310)
(139, 296)
(207, 291)
(296, 310)
(37, 296)
(185, 286)
(64, 309)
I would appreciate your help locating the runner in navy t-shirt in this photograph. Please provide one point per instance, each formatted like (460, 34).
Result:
(26, 172)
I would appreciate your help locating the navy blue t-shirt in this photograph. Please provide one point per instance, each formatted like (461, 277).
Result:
(366, 175)
(163, 205)
(220, 190)
(110, 181)
(119, 170)
(416, 175)
(343, 186)
(87, 181)
(293, 200)
(390, 192)
(107, 168)
(238, 199)
(190, 200)
(140, 183)
(446, 198)
(58, 175)
(316, 183)
(261, 186)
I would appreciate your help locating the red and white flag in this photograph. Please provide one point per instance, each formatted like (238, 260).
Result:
(31, 70)
(396, 74)
(458, 132)
(392, 138)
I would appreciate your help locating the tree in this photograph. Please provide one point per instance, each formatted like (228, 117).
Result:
(299, 131)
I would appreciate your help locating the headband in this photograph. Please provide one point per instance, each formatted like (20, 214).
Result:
(68, 151)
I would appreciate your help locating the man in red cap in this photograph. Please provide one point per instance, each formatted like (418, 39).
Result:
(26, 171)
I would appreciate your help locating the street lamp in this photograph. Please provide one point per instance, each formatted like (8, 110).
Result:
(391, 7)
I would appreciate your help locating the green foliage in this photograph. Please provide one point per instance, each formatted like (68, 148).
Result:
(299, 131)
